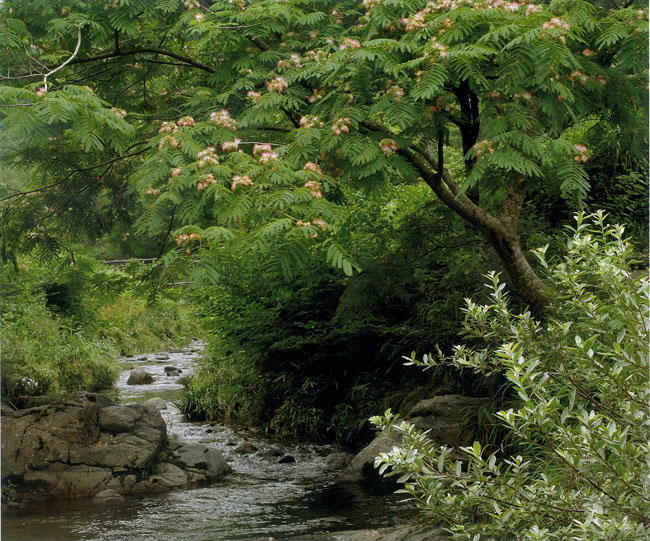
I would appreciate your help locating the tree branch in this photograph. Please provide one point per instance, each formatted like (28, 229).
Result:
(144, 50)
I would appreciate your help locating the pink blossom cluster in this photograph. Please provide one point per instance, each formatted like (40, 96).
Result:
(277, 84)
(207, 157)
(397, 92)
(223, 118)
(318, 222)
(309, 121)
(316, 94)
(315, 189)
(442, 49)
(349, 43)
(175, 172)
(183, 238)
(481, 147)
(583, 153)
(206, 180)
(269, 157)
(369, 4)
(168, 127)
(579, 77)
(556, 22)
(152, 191)
(342, 125)
(265, 153)
(120, 113)
(241, 180)
(294, 60)
(230, 146)
(313, 167)
(319, 55)
(168, 140)
(254, 96)
(416, 21)
(388, 146)
(185, 121)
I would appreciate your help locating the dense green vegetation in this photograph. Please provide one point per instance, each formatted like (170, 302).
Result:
(63, 325)
(577, 429)
(331, 180)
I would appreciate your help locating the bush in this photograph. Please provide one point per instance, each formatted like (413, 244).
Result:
(62, 329)
(580, 420)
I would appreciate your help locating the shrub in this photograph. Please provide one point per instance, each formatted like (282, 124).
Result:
(580, 379)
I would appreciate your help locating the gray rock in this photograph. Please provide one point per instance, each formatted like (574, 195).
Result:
(143, 358)
(245, 448)
(394, 533)
(170, 476)
(205, 459)
(445, 417)
(362, 466)
(82, 445)
(108, 495)
(176, 350)
(172, 369)
(155, 403)
(287, 459)
(139, 377)
(162, 356)
(338, 461)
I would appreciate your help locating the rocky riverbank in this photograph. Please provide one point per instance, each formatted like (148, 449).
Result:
(89, 446)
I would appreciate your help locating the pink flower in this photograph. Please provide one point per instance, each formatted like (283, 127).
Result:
(349, 43)
(241, 180)
(311, 166)
(230, 146)
(223, 118)
(388, 146)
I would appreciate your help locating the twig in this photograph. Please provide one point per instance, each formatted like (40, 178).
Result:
(76, 50)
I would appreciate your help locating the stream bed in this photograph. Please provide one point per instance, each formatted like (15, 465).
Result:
(260, 498)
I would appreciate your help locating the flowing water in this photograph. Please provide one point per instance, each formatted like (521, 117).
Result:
(261, 498)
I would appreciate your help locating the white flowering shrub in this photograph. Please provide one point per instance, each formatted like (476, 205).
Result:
(580, 381)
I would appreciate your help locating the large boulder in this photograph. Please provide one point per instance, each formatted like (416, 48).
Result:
(82, 445)
(445, 417)
(139, 377)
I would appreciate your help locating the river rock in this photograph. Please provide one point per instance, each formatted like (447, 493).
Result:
(162, 356)
(394, 533)
(338, 461)
(108, 495)
(80, 446)
(199, 458)
(155, 403)
(245, 448)
(287, 459)
(139, 377)
(445, 417)
(176, 350)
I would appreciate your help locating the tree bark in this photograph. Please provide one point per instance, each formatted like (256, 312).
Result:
(500, 231)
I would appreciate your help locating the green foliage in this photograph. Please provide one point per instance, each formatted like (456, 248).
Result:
(580, 380)
(61, 329)
(314, 357)
(253, 118)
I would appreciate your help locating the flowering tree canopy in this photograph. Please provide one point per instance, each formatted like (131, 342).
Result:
(244, 118)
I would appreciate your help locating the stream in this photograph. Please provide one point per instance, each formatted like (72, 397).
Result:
(261, 498)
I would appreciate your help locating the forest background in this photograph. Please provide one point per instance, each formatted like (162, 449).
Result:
(333, 179)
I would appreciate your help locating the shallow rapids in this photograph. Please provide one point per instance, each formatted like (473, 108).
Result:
(261, 498)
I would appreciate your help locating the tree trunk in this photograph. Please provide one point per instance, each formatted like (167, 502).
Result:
(500, 231)
(524, 278)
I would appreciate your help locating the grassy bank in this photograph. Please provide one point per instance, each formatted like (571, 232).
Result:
(62, 331)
